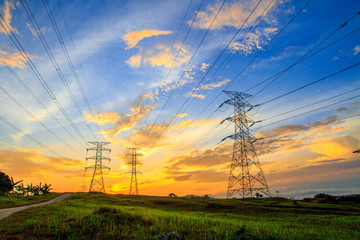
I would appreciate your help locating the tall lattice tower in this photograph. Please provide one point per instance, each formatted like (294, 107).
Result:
(133, 190)
(97, 181)
(246, 177)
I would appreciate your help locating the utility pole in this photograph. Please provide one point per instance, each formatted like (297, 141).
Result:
(134, 161)
(97, 181)
(246, 178)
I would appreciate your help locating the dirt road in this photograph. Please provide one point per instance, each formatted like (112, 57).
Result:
(8, 211)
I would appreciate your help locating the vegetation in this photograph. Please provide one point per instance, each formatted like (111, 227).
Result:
(101, 216)
(9, 187)
(17, 201)
(5, 183)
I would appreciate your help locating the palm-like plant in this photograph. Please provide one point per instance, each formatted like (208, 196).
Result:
(14, 184)
(46, 188)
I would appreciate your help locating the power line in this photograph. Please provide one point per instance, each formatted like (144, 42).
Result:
(28, 136)
(53, 60)
(309, 84)
(35, 118)
(177, 55)
(172, 45)
(263, 49)
(317, 109)
(37, 74)
(232, 53)
(311, 104)
(37, 99)
(68, 58)
(304, 56)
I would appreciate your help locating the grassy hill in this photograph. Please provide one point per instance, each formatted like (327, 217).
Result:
(101, 216)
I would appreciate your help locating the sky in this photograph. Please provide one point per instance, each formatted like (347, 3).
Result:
(151, 75)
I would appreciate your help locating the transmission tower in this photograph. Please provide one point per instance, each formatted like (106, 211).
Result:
(97, 181)
(134, 161)
(246, 177)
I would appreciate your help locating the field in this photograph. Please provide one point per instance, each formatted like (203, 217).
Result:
(16, 201)
(101, 216)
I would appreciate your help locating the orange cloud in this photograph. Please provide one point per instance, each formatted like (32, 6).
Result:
(13, 59)
(6, 13)
(127, 121)
(231, 15)
(133, 38)
(201, 96)
(181, 115)
(160, 55)
(103, 118)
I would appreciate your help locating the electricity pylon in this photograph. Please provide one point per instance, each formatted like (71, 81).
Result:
(97, 181)
(246, 178)
(134, 162)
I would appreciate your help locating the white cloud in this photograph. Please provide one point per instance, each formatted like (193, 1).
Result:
(356, 50)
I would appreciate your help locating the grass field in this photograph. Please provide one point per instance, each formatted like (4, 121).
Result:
(16, 201)
(101, 216)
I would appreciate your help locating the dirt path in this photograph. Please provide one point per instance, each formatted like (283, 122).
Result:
(8, 211)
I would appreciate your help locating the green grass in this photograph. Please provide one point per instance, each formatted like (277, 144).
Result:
(100, 216)
(17, 201)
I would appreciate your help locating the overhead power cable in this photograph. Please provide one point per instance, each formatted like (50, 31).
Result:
(177, 55)
(230, 54)
(249, 63)
(16, 76)
(167, 57)
(313, 110)
(68, 58)
(54, 62)
(304, 56)
(311, 104)
(37, 74)
(309, 84)
(36, 119)
(28, 136)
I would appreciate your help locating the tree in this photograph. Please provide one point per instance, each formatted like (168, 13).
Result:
(172, 195)
(5, 183)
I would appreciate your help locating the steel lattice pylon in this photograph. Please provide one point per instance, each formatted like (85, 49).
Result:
(246, 177)
(97, 181)
(133, 190)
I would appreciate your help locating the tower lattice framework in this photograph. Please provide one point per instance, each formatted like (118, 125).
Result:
(133, 190)
(246, 178)
(97, 181)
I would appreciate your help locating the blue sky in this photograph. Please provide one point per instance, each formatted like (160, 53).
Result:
(138, 62)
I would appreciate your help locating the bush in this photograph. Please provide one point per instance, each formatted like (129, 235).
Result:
(5, 183)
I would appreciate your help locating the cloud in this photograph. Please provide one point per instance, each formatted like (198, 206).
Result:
(13, 59)
(212, 86)
(36, 165)
(147, 137)
(6, 13)
(181, 115)
(33, 31)
(231, 15)
(103, 118)
(160, 55)
(201, 96)
(356, 50)
(253, 42)
(138, 110)
(133, 38)
(204, 66)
